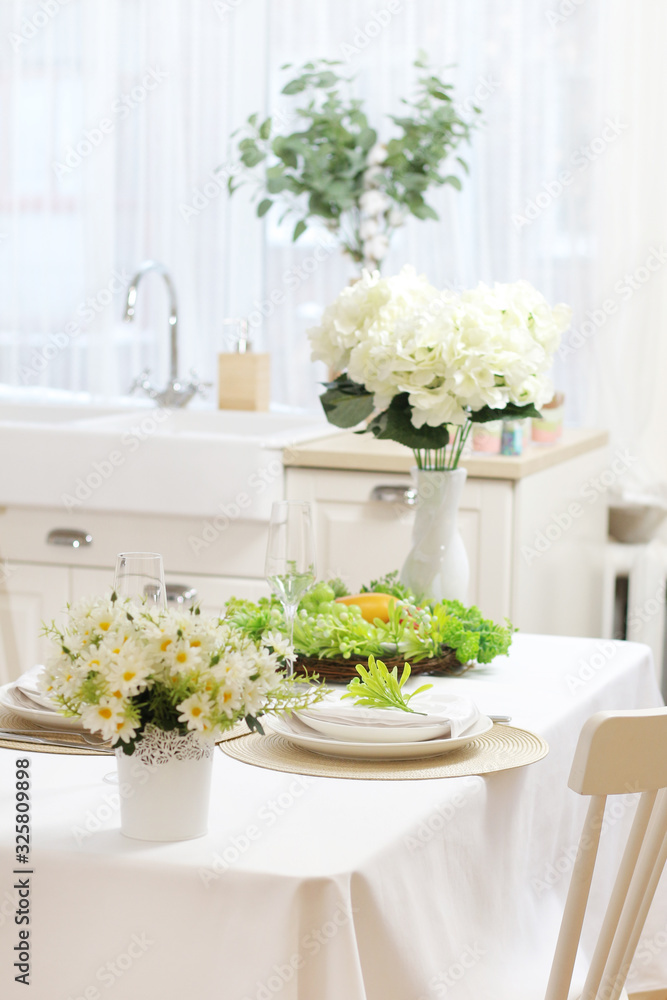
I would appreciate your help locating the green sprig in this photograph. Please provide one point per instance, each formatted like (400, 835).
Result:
(379, 687)
(317, 172)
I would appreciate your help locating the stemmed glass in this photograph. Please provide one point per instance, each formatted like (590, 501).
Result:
(139, 576)
(290, 559)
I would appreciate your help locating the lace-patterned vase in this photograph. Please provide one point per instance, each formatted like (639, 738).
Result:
(437, 565)
(165, 786)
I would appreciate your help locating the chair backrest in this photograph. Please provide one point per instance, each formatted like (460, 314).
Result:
(617, 753)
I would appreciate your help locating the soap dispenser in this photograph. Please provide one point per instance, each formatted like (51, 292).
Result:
(244, 377)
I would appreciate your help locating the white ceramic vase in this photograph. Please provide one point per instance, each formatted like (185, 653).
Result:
(437, 566)
(165, 786)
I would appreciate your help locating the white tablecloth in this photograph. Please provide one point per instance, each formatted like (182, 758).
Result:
(330, 889)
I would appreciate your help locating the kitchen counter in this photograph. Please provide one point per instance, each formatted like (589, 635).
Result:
(363, 453)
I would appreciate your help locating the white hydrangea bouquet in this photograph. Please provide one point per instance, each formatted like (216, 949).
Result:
(422, 365)
(121, 668)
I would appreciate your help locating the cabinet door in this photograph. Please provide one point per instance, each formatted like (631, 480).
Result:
(360, 538)
(29, 595)
(211, 591)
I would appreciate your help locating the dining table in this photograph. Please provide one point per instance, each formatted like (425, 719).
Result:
(326, 887)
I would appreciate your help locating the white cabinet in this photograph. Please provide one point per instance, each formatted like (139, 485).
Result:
(29, 596)
(37, 578)
(535, 543)
(360, 538)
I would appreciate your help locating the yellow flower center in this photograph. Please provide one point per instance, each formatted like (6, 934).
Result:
(196, 710)
(105, 713)
(129, 674)
(195, 642)
(227, 696)
(116, 694)
(164, 644)
(181, 657)
(105, 626)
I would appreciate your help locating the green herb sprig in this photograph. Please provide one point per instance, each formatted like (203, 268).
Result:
(379, 687)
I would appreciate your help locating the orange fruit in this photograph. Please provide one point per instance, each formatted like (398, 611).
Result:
(372, 605)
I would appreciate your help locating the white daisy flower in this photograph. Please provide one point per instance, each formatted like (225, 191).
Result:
(182, 657)
(280, 643)
(125, 730)
(104, 717)
(195, 713)
(129, 674)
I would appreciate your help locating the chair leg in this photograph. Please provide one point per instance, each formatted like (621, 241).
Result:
(640, 896)
(575, 906)
(619, 894)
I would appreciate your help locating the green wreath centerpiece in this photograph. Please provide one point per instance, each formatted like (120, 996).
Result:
(335, 630)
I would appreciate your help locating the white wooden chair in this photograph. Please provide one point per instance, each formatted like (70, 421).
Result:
(617, 753)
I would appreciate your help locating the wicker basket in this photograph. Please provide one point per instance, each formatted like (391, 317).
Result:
(341, 671)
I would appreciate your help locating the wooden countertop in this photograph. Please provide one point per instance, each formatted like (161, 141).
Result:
(362, 453)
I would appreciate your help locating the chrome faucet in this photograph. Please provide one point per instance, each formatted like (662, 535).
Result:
(175, 393)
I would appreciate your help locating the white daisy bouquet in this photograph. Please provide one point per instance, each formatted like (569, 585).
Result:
(422, 365)
(120, 667)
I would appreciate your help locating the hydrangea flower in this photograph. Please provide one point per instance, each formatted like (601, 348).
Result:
(453, 354)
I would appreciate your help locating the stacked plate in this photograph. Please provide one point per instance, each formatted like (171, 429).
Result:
(339, 729)
(23, 698)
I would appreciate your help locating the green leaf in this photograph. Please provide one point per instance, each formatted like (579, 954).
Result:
(424, 211)
(454, 181)
(283, 149)
(263, 207)
(254, 725)
(346, 403)
(513, 411)
(395, 424)
(327, 80)
(294, 86)
(265, 129)
(251, 156)
(300, 228)
(274, 185)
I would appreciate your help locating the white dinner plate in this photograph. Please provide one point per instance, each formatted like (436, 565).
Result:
(373, 734)
(11, 698)
(302, 735)
(441, 714)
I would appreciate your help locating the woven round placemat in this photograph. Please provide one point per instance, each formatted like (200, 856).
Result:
(502, 748)
(76, 743)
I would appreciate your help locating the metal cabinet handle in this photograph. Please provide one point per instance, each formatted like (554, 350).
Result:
(180, 593)
(71, 537)
(395, 494)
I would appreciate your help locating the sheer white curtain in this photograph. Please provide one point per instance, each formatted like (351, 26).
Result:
(565, 186)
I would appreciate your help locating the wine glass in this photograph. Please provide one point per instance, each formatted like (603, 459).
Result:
(140, 576)
(290, 559)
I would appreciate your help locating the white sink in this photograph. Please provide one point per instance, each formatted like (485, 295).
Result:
(186, 462)
(20, 413)
(269, 429)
